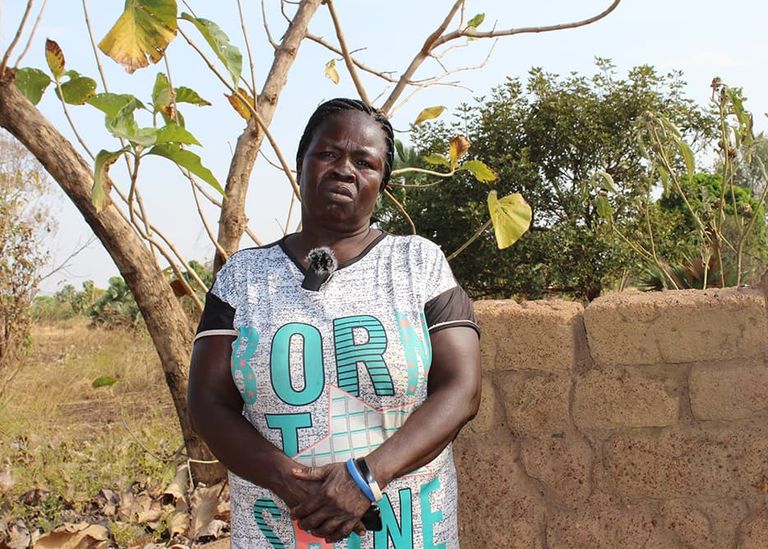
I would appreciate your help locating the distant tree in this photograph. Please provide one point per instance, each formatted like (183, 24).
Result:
(23, 221)
(564, 143)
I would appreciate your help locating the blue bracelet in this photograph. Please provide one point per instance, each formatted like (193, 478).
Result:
(359, 480)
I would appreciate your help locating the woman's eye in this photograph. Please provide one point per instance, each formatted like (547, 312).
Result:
(364, 163)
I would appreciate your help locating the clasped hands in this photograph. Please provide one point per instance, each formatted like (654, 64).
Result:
(331, 504)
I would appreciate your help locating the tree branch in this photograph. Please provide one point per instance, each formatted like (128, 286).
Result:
(345, 53)
(16, 38)
(31, 34)
(381, 74)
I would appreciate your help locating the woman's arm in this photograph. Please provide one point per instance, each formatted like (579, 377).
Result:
(215, 408)
(454, 397)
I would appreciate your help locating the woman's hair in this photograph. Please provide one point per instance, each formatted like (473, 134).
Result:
(328, 109)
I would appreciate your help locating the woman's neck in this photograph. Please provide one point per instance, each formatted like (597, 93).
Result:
(345, 246)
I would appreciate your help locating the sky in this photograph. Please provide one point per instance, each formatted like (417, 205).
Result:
(702, 38)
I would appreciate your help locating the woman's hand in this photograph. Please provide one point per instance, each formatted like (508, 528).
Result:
(334, 510)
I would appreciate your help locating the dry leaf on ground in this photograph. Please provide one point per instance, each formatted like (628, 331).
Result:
(75, 536)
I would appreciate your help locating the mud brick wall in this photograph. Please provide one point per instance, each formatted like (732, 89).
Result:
(640, 421)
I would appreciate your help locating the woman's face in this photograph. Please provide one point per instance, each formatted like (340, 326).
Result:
(342, 171)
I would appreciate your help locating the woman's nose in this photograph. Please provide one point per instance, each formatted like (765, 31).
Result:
(343, 167)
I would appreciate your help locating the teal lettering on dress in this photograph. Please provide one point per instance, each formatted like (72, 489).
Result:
(418, 349)
(312, 363)
(400, 532)
(243, 350)
(371, 353)
(289, 425)
(260, 508)
(430, 517)
(353, 541)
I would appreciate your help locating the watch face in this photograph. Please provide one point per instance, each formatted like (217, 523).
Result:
(372, 518)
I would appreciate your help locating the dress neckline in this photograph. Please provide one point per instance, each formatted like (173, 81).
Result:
(342, 265)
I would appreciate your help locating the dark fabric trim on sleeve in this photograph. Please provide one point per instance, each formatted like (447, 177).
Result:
(217, 315)
(450, 309)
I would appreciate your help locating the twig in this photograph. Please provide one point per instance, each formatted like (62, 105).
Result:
(71, 122)
(253, 236)
(207, 227)
(429, 45)
(472, 238)
(381, 74)
(401, 208)
(63, 265)
(474, 33)
(253, 111)
(95, 49)
(247, 49)
(345, 52)
(266, 27)
(22, 24)
(31, 34)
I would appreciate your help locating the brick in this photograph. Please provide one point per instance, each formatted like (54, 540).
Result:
(677, 326)
(754, 534)
(604, 523)
(562, 464)
(535, 403)
(729, 391)
(494, 493)
(702, 524)
(708, 460)
(535, 335)
(610, 399)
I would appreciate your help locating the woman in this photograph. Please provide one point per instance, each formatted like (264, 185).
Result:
(331, 397)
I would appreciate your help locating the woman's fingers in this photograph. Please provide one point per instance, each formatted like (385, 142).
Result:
(310, 473)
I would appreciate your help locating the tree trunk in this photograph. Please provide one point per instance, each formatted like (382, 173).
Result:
(164, 317)
(232, 220)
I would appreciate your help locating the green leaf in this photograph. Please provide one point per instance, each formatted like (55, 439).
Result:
(112, 104)
(604, 181)
(78, 90)
(31, 83)
(104, 381)
(173, 133)
(55, 58)
(187, 159)
(476, 21)
(219, 42)
(161, 93)
(687, 154)
(437, 160)
(428, 114)
(511, 218)
(142, 32)
(188, 95)
(400, 150)
(604, 208)
(124, 125)
(99, 192)
(480, 170)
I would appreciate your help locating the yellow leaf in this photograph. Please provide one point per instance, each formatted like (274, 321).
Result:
(55, 58)
(480, 170)
(511, 218)
(459, 147)
(143, 31)
(428, 114)
(331, 72)
(241, 106)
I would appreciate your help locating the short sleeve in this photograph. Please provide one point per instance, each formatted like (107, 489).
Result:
(447, 304)
(218, 315)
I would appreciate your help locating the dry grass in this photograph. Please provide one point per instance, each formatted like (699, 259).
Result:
(60, 434)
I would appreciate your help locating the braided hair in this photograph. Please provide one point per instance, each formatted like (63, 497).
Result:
(334, 106)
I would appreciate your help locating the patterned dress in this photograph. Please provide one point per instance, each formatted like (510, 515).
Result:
(331, 374)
